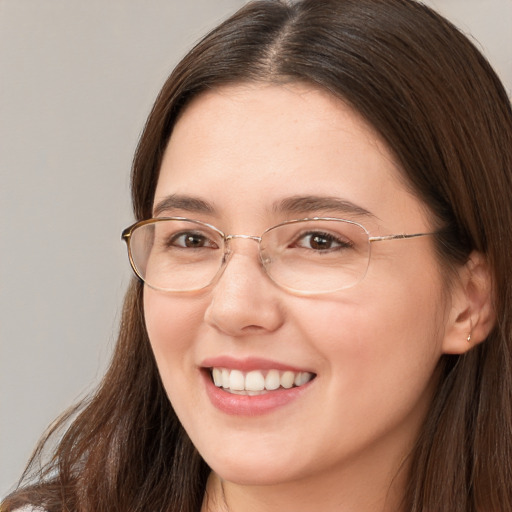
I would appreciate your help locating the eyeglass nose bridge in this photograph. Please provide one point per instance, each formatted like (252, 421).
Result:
(228, 251)
(227, 239)
(246, 237)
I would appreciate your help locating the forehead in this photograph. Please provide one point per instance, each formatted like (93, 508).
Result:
(250, 146)
(294, 115)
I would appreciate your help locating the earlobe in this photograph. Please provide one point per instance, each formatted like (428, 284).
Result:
(472, 315)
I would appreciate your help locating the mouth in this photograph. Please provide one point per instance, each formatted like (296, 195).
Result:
(257, 382)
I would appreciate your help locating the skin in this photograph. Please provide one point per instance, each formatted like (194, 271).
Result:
(342, 445)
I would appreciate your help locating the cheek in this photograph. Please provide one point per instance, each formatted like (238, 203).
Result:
(171, 322)
(378, 337)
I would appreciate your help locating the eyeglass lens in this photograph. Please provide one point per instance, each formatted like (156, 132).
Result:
(319, 255)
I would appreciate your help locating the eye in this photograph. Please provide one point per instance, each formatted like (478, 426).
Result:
(191, 240)
(320, 241)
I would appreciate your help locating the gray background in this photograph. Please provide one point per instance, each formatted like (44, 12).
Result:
(77, 80)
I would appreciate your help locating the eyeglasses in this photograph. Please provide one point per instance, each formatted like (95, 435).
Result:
(306, 256)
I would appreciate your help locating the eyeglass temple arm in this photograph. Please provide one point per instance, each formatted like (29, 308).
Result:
(397, 237)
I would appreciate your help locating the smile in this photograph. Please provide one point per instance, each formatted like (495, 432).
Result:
(257, 382)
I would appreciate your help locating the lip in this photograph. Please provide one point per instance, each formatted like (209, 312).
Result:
(244, 405)
(248, 364)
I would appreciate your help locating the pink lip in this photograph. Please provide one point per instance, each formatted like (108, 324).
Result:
(247, 364)
(244, 405)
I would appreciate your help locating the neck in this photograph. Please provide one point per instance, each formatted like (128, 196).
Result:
(372, 491)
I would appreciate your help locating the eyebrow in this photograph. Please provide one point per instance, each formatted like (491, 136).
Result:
(313, 204)
(302, 205)
(181, 202)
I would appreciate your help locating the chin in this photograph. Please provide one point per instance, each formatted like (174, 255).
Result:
(263, 469)
(252, 476)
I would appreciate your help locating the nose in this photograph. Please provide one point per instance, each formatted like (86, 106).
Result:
(244, 300)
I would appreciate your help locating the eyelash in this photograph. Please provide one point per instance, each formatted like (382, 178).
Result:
(340, 243)
(332, 242)
(171, 242)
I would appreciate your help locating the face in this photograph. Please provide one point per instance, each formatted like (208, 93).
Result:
(364, 357)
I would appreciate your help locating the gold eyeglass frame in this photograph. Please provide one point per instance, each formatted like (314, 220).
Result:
(127, 233)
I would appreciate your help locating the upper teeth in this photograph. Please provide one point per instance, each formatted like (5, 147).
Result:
(257, 380)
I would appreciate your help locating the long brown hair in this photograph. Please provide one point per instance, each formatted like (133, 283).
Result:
(443, 112)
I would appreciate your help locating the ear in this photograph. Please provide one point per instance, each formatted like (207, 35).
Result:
(472, 314)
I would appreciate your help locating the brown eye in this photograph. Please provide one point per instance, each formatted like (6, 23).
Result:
(318, 241)
(191, 241)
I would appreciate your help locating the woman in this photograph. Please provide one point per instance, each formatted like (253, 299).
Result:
(324, 322)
